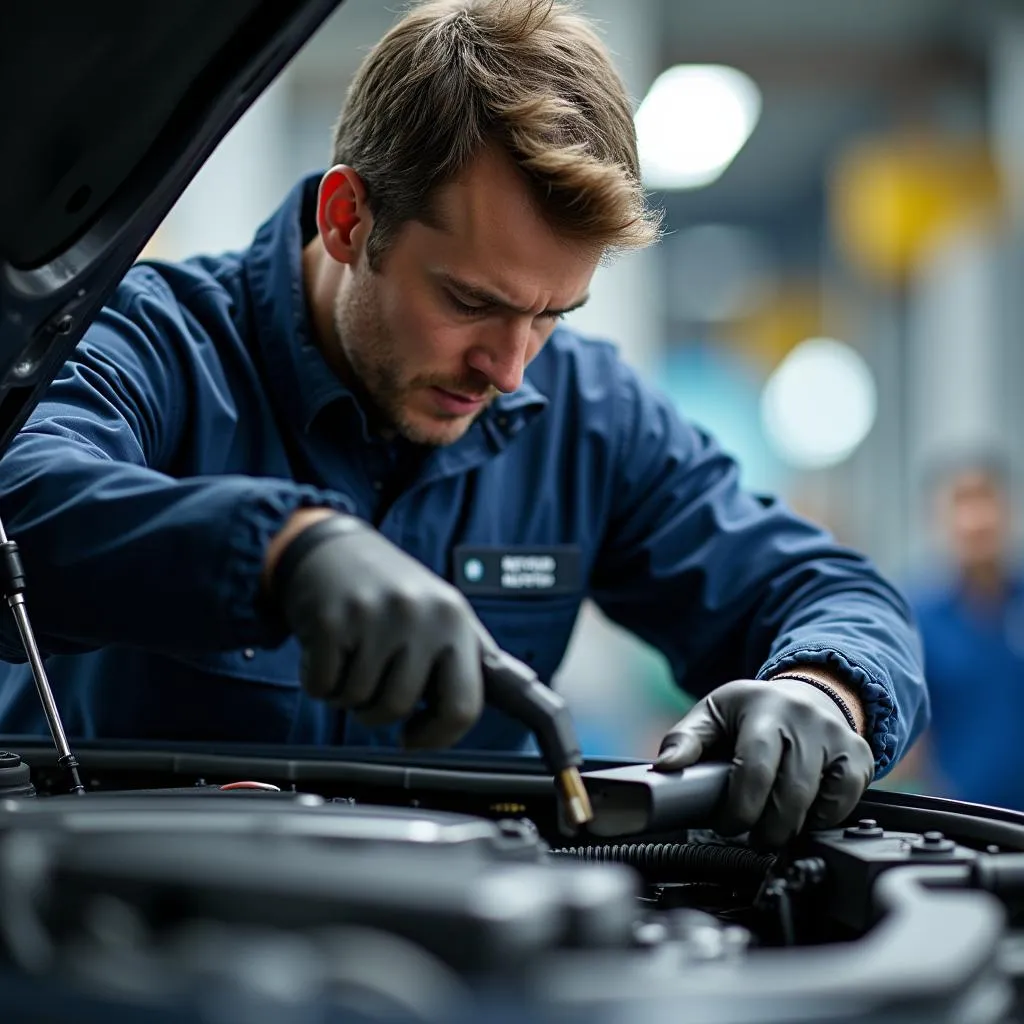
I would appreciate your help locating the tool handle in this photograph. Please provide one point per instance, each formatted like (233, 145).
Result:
(514, 688)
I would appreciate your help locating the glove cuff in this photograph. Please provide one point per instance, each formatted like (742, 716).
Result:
(836, 696)
(310, 538)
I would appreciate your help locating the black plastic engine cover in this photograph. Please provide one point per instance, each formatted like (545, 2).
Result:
(207, 814)
(481, 896)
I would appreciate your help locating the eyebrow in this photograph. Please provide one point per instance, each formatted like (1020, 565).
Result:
(482, 295)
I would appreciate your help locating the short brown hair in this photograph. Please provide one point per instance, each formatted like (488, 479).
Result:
(454, 76)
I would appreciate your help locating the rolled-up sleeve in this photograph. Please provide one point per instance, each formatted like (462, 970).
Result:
(117, 549)
(730, 584)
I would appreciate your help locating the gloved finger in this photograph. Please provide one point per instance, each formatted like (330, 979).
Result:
(402, 683)
(320, 665)
(456, 689)
(486, 644)
(359, 689)
(842, 785)
(755, 764)
(694, 735)
(796, 786)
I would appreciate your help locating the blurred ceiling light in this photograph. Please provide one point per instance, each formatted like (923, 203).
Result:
(693, 122)
(819, 404)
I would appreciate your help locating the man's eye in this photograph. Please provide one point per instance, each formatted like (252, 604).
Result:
(463, 307)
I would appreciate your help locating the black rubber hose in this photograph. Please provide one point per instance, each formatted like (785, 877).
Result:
(680, 862)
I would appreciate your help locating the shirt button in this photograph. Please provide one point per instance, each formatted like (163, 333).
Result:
(377, 485)
(502, 421)
(248, 654)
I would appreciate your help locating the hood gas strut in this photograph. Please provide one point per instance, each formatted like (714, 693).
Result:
(12, 579)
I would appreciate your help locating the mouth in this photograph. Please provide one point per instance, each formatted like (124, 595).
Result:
(454, 402)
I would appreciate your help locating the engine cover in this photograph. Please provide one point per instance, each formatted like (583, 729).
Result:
(479, 895)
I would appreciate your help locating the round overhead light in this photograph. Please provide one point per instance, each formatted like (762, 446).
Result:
(819, 404)
(693, 121)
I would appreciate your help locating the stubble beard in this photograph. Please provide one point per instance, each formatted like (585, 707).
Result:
(378, 374)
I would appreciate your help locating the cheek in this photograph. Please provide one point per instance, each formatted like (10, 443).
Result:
(538, 341)
(405, 319)
(425, 335)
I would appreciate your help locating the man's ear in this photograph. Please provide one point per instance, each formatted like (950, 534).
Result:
(343, 217)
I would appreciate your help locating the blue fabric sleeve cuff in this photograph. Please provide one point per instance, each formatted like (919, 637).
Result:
(880, 710)
(248, 532)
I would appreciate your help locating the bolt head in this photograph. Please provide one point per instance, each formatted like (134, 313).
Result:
(866, 828)
(932, 843)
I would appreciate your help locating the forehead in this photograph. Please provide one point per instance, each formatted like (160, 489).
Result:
(973, 483)
(488, 219)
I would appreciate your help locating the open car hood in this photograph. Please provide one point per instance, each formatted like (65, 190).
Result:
(109, 109)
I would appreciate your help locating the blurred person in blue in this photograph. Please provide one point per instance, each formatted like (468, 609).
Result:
(296, 493)
(972, 625)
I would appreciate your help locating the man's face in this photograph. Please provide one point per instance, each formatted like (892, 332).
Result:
(456, 312)
(977, 519)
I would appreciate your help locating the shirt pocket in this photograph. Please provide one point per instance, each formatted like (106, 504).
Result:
(533, 629)
(209, 696)
(275, 667)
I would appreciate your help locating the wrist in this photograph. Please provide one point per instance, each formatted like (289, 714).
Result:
(848, 702)
(298, 521)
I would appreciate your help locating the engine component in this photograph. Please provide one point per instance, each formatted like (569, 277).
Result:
(266, 787)
(171, 892)
(680, 862)
(15, 779)
(212, 813)
(933, 958)
(855, 859)
(478, 915)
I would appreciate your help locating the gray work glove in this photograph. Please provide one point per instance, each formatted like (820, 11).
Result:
(381, 633)
(796, 761)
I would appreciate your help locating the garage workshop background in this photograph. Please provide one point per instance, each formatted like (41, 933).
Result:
(840, 296)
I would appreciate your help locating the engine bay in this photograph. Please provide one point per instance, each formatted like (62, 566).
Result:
(244, 887)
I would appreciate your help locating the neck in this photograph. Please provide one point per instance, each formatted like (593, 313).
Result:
(321, 278)
(985, 581)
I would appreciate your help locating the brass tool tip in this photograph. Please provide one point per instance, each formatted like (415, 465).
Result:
(574, 796)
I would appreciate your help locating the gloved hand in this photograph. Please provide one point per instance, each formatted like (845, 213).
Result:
(380, 632)
(796, 761)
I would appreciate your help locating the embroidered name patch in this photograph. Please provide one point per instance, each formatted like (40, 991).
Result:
(518, 571)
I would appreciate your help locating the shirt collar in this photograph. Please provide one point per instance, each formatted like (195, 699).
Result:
(304, 383)
(527, 400)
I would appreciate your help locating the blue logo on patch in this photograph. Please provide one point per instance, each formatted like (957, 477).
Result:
(474, 570)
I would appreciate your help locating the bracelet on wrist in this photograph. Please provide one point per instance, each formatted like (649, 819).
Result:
(831, 691)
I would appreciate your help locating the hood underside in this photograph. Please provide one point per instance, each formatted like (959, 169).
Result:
(108, 109)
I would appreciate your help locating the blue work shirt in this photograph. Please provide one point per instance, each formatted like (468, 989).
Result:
(197, 414)
(974, 663)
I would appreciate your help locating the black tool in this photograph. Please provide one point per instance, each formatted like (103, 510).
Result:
(12, 579)
(634, 798)
(513, 687)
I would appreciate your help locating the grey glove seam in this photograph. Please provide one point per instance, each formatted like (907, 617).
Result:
(830, 691)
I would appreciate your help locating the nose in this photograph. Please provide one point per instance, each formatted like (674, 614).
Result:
(501, 356)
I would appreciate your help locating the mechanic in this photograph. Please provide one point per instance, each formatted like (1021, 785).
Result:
(291, 494)
(972, 625)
